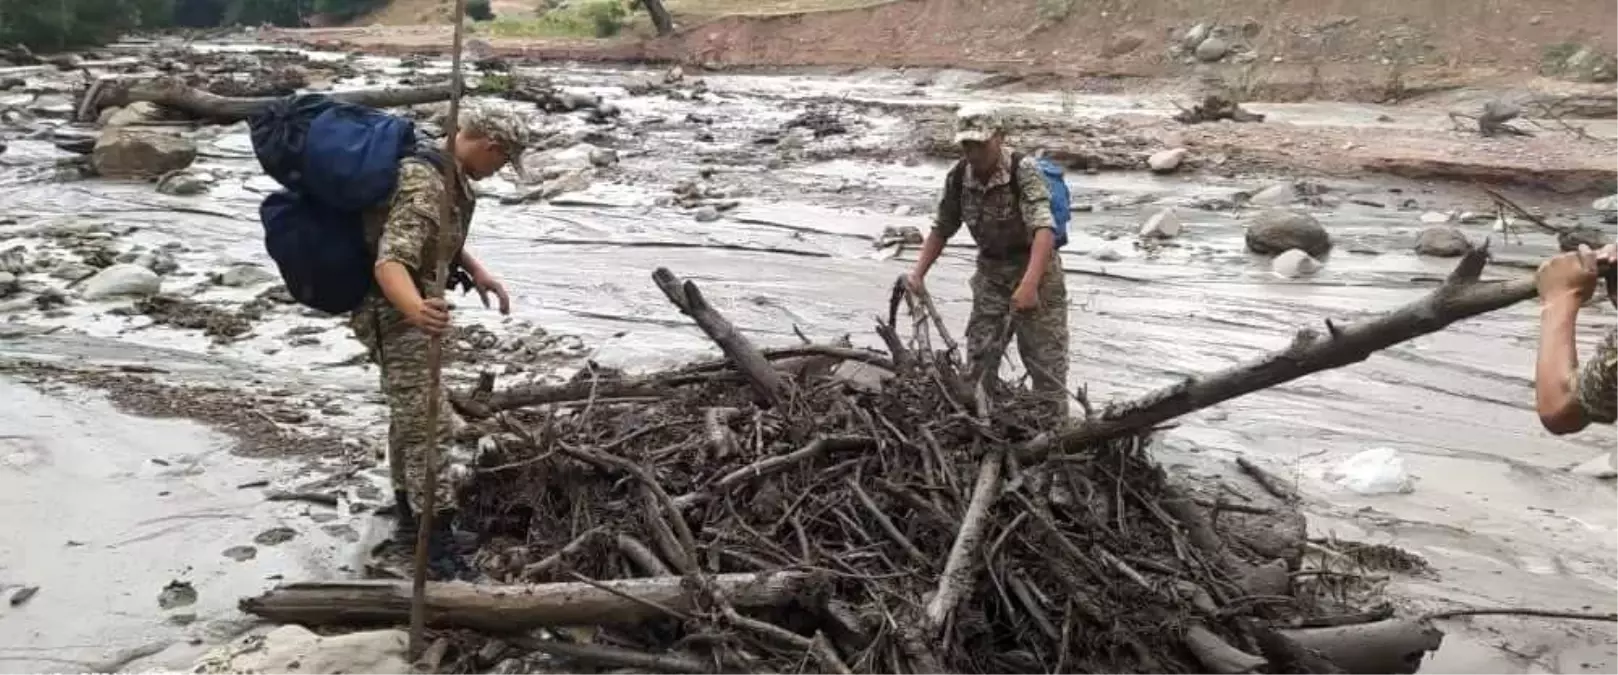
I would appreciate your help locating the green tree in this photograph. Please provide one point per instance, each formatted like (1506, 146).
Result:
(65, 24)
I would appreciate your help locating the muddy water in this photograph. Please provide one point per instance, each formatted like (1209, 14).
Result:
(1494, 509)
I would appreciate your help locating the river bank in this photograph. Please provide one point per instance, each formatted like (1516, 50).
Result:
(779, 225)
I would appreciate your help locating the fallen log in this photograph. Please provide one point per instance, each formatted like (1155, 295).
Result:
(616, 657)
(748, 359)
(1395, 646)
(506, 609)
(1461, 296)
(174, 94)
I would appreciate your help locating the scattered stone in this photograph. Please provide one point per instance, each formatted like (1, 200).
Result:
(603, 157)
(1442, 241)
(49, 299)
(1435, 218)
(183, 618)
(14, 260)
(1607, 204)
(275, 536)
(52, 105)
(8, 284)
(1216, 108)
(121, 280)
(1166, 161)
(177, 594)
(72, 272)
(1603, 466)
(1275, 231)
(295, 649)
(184, 183)
(23, 595)
(241, 553)
(1572, 238)
(1280, 194)
(1107, 252)
(1164, 224)
(139, 112)
(161, 262)
(1212, 49)
(122, 152)
(899, 234)
(243, 274)
(1294, 263)
(1195, 36)
(903, 210)
(705, 214)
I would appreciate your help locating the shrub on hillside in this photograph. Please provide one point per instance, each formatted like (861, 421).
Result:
(51, 25)
(479, 10)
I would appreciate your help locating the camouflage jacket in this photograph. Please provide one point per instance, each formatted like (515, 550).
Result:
(406, 228)
(1002, 224)
(1597, 385)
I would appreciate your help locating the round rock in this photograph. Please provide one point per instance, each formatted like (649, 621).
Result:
(1166, 161)
(1165, 224)
(122, 279)
(706, 214)
(1212, 49)
(1294, 263)
(1274, 231)
(1442, 241)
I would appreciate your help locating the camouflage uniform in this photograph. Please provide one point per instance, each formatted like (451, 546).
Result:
(405, 231)
(1597, 386)
(1003, 225)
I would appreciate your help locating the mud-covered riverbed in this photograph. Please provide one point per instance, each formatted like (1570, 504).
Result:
(778, 226)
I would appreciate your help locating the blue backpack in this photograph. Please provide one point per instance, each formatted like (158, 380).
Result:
(1061, 201)
(336, 160)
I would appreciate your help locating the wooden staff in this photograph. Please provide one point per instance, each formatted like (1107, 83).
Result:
(447, 216)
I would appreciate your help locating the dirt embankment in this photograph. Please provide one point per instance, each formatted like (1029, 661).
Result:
(1273, 50)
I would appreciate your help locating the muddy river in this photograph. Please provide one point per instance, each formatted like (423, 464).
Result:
(101, 525)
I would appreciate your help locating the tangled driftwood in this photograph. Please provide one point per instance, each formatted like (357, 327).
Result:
(882, 512)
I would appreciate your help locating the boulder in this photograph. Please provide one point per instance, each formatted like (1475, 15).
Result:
(1294, 263)
(1274, 231)
(129, 153)
(295, 649)
(52, 105)
(1194, 37)
(1107, 252)
(244, 274)
(1212, 49)
(1164, 224)
(1607, 204)
(121, 280)
(603, 157)
(1442, 241)
(1166, 161)
(706, 214)
(1280, 194)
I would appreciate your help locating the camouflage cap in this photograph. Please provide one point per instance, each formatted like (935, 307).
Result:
(977, 125)
(502, 124)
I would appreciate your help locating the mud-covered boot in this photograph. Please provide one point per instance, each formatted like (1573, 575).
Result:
(444, 562)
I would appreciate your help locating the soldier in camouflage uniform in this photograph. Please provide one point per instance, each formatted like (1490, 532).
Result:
(1568, 398)
(398, 316)
(1019, 284)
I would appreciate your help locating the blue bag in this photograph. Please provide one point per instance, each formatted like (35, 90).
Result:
(336, 160)
(1061, 200)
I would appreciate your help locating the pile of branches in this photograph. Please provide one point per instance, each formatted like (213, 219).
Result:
(832, 509)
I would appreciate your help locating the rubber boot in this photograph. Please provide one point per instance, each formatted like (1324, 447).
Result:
(404, 528)
(444, 561)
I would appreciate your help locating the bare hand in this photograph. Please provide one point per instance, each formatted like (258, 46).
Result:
(1570, 275)
(431, 315)
(915, 282)
(1025, 298)
(485, 284)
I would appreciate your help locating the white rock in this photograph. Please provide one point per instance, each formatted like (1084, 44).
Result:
(1165, 224)
(903, 210)
(295, 649)
(139, 112)
(1107, 252)
(244, 274)
(1294, 263)
(706, 214)
(1603, 466)
(1212, 49)
(120, 280)
(1195, 36)
(1435, 218)
(1279, 194)
(603, 157)
(1165, 161)
(1608, 203)
(1378, 471)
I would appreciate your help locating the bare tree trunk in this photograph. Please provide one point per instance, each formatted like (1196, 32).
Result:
(1462, 296)
(660, 16)
(772, 389)
(505, 609)
(174, 94)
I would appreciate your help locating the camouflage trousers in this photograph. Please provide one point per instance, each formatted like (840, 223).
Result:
(400, 351)
(1041, 334)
